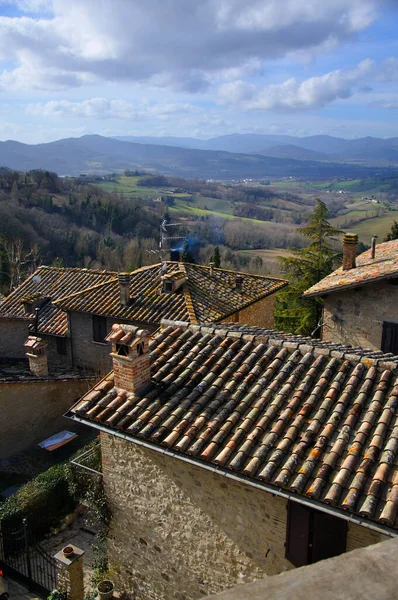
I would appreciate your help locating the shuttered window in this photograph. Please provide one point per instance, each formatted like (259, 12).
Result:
(389, 339)
(313, 535)
(62, 346)
(298, 531)
(99, 329)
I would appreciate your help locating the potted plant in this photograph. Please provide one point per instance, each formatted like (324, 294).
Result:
(68, 551)
(105, 589)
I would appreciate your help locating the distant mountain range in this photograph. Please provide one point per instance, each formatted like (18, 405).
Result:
(97, 154)
(316, 147)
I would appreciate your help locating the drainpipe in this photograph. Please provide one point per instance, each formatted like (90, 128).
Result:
(36, 325)
(72, 357)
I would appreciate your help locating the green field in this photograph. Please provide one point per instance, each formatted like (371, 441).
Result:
(379, 226)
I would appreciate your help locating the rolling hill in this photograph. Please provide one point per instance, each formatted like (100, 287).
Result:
(97, 154)
(367, 149)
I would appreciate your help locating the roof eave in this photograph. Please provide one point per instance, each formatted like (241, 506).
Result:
(349, 286)
(242, 479)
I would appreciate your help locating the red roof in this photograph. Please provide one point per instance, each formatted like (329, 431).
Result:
(368, 270)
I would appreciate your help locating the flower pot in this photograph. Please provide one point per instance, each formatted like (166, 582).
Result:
(105, 589)
(68, 551)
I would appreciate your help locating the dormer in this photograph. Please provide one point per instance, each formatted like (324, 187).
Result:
(172, 282)
(30, 303)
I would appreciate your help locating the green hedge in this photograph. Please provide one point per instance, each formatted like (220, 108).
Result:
(43, 501)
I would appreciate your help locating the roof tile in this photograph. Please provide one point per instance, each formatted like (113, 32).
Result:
(323, 426)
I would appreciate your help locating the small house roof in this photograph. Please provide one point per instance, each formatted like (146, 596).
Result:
(314, 418)
(205, 296)
(368, 270)
(49, 284)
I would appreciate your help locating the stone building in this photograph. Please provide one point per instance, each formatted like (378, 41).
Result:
(73, 309)
(30, 308)
(361, 298)
(232, 452)
(34, 398)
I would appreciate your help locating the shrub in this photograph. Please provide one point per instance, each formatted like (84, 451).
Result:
(43, 501)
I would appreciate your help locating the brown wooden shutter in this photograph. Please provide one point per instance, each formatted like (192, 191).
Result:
(389, 340)
(329, 536)
(297, 535)
(99, 329)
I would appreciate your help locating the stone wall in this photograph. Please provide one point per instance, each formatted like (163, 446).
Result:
(260, 313)
(180, 532)
(54, 359)
(94, 356)
(32, 410)
(13, 335)
(360, 314)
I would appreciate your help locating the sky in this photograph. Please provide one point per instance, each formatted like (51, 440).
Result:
(198, 68)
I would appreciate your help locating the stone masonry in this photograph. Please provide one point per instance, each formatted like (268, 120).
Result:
(180, 532)
(260, 314)
(355, 317)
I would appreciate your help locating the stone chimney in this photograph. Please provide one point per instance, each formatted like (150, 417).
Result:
(350, 242)
(37, 355)
(211, 265)
(130, 354)
(124, 288)
(239, 282)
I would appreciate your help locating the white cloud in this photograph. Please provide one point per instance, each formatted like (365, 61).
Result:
(180, 44)
(102, 108)
(312, 93)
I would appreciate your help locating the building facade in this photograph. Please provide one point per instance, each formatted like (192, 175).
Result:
(360, 300)
(231, 452)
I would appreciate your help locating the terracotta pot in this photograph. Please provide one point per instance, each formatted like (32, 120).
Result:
(68, 551)
(105, 589)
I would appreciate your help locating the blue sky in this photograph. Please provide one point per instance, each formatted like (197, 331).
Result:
(198, 68)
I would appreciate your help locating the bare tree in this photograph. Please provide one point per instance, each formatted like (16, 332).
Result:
(18, 261)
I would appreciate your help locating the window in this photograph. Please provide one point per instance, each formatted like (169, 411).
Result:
(313, 535)
(167, 287)
(99, 329)
(389, 338)
(62, 346)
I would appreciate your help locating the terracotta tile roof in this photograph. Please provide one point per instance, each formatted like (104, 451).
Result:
(202, 297)
(54, 282)
(368, 270)
(310, 417)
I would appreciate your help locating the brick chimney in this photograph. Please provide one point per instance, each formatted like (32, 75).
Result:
(350, 242)
(37, 355)
(124, 288)
(130, 354)
(239, 282)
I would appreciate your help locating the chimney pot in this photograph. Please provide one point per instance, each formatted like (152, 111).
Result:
(374, 238)
(124, 288)
(350, 242)
(130, 354)
(37, 355)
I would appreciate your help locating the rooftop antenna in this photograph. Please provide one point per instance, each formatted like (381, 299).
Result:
(164, 239)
